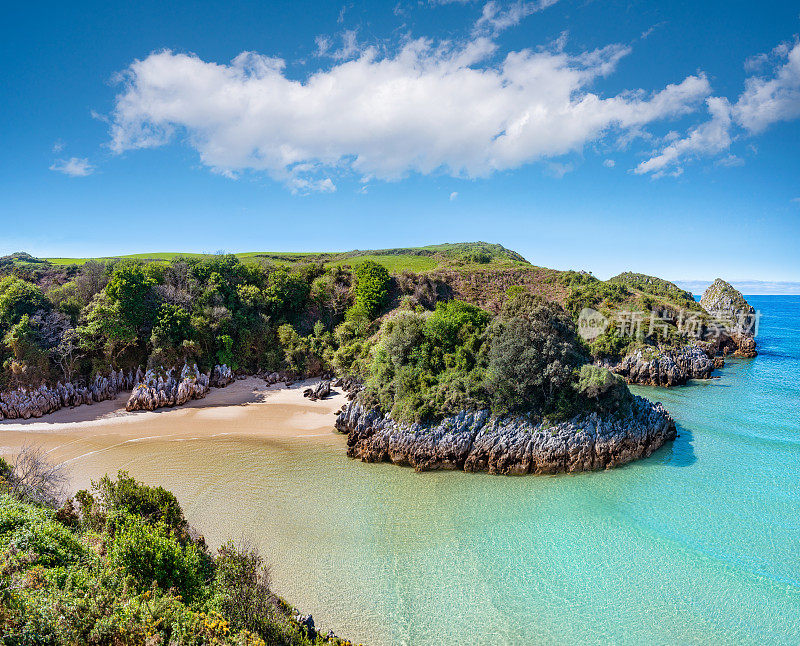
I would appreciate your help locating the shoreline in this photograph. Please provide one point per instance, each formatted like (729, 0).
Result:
(246, 408)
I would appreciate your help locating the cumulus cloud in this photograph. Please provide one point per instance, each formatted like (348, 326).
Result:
(74, 167)
(426, 108)
(453, 196)
(766, 99)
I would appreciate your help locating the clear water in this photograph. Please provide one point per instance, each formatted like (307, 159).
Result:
(698, 544)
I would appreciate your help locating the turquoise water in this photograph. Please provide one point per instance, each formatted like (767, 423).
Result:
(698, 544)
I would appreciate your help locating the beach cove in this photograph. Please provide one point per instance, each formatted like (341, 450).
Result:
(697, 543)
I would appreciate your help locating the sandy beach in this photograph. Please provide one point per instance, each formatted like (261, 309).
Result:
(246, 408)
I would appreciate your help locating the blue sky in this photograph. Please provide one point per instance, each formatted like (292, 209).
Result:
(607, 136)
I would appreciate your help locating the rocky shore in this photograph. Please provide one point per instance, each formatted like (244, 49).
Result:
(150, 390)
(159, 389)
(731, 332)
(476, 441)
(666, 367)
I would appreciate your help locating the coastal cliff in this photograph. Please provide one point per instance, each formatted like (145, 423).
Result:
(736, 316)
(478, 441)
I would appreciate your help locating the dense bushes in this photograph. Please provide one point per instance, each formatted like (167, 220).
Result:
(535, 351)
(210, 310)
(528, 360)
(119, 571)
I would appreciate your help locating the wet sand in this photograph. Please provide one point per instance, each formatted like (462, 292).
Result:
(246, 409)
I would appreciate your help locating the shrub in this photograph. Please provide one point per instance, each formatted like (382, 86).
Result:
(535, 351)
(372, 283)
(150, 553)
(126, 497)
(30, 530)
(603, 388)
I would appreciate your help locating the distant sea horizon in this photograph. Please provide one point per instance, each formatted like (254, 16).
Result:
(746, 287)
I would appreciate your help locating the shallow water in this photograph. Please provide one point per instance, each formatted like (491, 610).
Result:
(698, 544)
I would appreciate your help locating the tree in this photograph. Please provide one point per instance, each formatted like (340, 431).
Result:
(372, 283)
(534, 354)
(18, 298)
(131, 289)
(106, 329)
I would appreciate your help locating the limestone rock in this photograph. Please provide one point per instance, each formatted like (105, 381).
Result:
(735, 316)
(666, 366)
(476, 441)
(320, 391)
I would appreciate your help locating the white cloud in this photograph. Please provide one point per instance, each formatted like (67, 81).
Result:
(709, 138)
(58, 146)
(349, 49)
(730, 161)
(74, 167)
(766, 100)
(497, 17)
(609, 163)
(453, 196)
(558, 170)
(427, 108)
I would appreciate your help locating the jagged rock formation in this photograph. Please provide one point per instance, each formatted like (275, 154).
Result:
(320, 391)
(667, 366)
(736, 316)
(159, 388)
(24, 403)
(350, 385)
(220, 376)
(476, 441)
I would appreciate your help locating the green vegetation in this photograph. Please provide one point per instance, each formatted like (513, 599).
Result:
(119, 565)
(395, 260)
(657, 287)
(425, 344)
(525, 361)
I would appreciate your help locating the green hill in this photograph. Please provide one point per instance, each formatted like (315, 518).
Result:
(417, 259)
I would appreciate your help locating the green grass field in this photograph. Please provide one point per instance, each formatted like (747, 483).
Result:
(417, 259)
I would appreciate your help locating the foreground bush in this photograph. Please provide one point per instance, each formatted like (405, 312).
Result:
(122, 569)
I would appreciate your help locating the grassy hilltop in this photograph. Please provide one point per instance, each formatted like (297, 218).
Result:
(395, 260)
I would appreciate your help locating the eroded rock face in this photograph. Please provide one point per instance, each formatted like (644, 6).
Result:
(221, 376)
(736, 316)
(476, 441)
(24, 403)
(159, 388)
(667, 367)
(319, 391)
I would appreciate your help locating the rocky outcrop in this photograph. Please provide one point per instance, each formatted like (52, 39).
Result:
(320, 391)
(220, 376)
(160, 388)
(24, 403)
(666, 366)
(735, 318)
(350, 385)
(477, 441)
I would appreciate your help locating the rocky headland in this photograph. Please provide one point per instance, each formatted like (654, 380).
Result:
(731, 332)
(478, 441)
